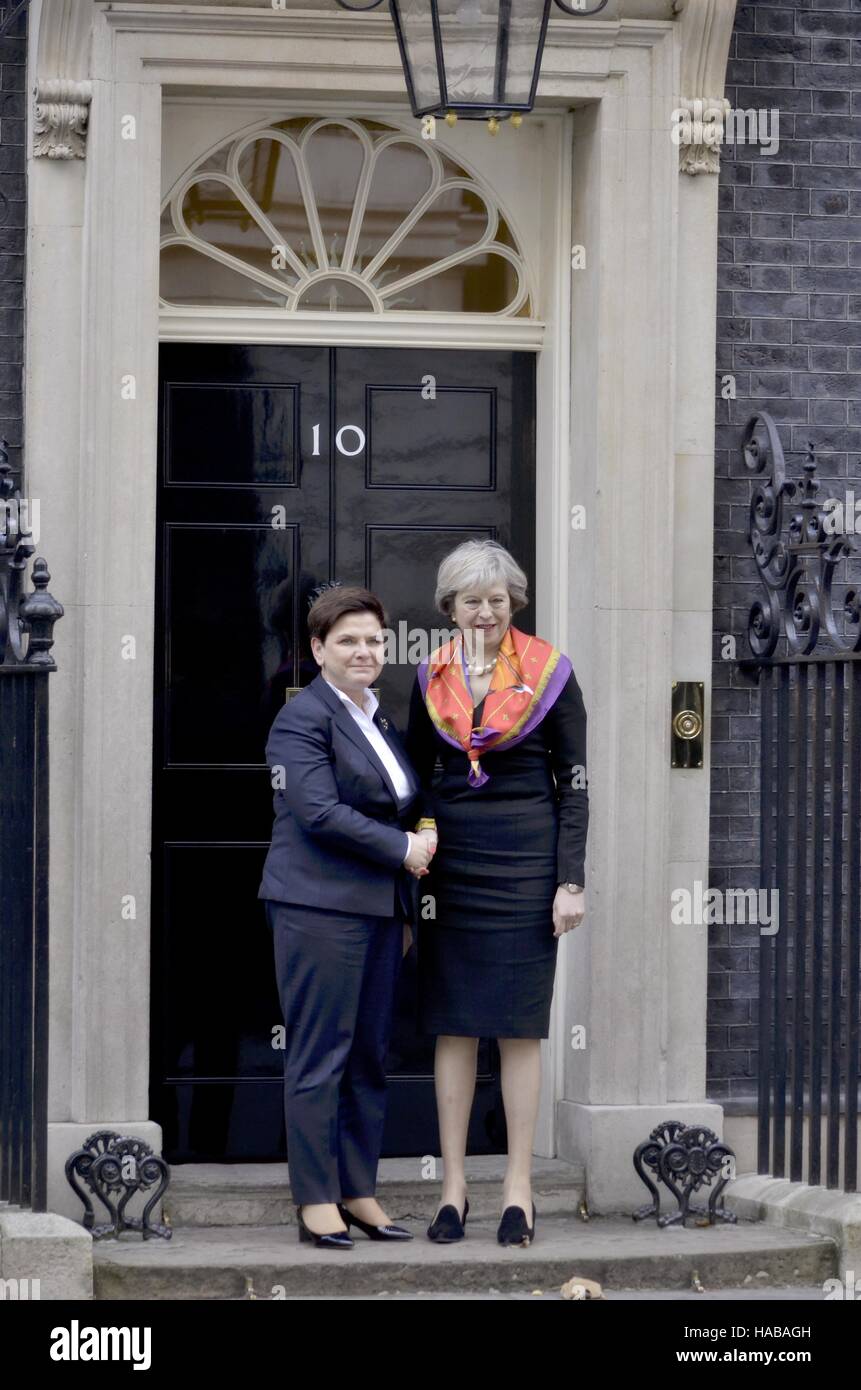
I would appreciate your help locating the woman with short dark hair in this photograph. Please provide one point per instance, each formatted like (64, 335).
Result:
(337, 896)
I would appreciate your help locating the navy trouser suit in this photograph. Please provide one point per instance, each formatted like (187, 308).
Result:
(336, 898)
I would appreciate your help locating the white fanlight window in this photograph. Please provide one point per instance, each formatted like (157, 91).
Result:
(338, 214)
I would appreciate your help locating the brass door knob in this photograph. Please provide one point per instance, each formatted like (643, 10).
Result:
(687, 724)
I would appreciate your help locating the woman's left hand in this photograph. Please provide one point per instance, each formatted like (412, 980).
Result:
(569, 909)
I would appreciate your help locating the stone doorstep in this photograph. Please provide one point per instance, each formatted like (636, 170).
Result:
(798, 1207)
(258, 1194)
(789, 1293)
(226, 1263)
(48, 1256)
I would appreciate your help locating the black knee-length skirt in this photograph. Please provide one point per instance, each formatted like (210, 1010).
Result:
(487, 957)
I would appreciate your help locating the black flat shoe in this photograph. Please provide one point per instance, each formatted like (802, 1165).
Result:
(331, 1240)
(513, 1229)
(447, 1226)
(375, 1232)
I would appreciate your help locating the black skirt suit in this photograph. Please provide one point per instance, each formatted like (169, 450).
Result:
(487, 958)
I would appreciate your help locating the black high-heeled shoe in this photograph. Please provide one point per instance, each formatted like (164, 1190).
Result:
(513, 1229)
(447, 1226)
(375, 1232)
(329, 1240)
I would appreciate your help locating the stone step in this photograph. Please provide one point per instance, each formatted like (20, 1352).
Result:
(746, 1293)
(266, 1262)
(258, 1194)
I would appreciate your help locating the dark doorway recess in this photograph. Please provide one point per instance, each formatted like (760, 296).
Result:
(372, 463)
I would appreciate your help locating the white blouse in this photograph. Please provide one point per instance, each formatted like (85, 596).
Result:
(374, 735)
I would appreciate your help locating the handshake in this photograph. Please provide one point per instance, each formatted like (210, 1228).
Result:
(422, 847)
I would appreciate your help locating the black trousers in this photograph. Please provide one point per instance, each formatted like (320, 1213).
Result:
(336, 978)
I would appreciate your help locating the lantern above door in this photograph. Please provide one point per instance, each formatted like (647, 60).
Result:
(475, 59)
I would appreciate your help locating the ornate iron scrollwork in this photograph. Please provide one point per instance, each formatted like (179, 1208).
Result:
(109, 1164)
(797, 572)
(684, 1158)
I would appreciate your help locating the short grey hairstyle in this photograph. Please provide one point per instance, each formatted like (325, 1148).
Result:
(474, 564)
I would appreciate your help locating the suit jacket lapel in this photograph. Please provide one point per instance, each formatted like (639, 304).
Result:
(393, 738)
(348, 726)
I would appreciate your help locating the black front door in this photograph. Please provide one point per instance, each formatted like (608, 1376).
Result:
(280, 468)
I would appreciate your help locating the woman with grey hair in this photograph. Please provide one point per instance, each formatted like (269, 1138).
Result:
(503, 712)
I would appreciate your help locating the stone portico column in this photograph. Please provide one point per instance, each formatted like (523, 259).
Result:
(88, 254)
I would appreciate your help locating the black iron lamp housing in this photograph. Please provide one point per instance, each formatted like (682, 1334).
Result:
(474, 59)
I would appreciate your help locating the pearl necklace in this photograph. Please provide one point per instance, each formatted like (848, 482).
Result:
(481, 670)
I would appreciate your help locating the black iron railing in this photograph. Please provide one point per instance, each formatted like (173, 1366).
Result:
(805, 636)
(26, 628)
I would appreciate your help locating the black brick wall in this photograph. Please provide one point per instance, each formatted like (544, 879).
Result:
(13, 221)
(789, 330)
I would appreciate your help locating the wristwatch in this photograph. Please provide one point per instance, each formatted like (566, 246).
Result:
(573, 887)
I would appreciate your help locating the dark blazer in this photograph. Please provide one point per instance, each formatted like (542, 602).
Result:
(338, 840)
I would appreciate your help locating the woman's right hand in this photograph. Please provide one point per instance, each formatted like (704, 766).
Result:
(421, 852)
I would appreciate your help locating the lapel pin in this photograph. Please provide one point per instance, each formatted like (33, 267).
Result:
(384, 722)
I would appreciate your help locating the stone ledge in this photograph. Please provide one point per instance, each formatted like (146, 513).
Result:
(64, 1137)
(796, 1206)
(45, 1247)
(605, 1137)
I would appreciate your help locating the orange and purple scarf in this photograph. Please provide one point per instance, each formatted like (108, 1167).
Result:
(527, 680)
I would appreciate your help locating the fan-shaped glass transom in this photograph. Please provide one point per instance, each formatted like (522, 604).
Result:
(337, 214)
